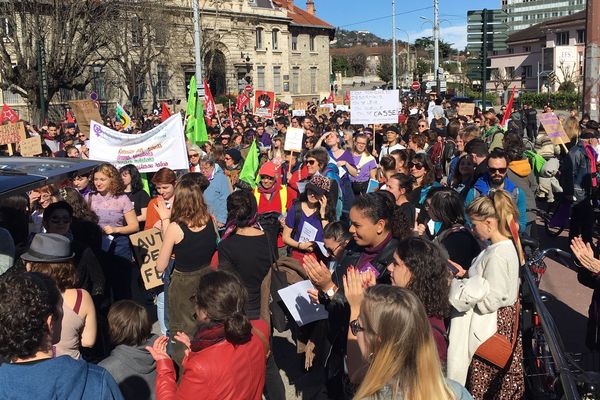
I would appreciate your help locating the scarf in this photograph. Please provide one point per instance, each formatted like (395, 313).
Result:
(272, 190)
(591, 153)
(232, 226)
(206, 337)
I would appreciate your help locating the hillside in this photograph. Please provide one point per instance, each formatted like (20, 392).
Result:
(344, 38)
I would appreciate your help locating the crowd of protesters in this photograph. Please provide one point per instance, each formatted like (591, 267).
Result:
(407, 233)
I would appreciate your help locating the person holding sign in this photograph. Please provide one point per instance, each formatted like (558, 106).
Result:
(308, 216)
(366, 165)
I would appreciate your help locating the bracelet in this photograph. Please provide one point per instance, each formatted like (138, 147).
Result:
(164, 219)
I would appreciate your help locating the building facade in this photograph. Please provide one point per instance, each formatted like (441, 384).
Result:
(556, 46)
(268, 44)
(524, 13)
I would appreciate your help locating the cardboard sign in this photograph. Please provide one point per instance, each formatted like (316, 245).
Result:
(31, 146)
(146, 246)
(264, 103)
(293, 139)
(374, 107)
(300, 103)
(161, 146)
(219, 107)
(85, 111)
(325, 109)
(466, 109)
(12, 133)
(553, 128)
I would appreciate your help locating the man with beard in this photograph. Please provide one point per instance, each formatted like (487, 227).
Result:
(496, 179)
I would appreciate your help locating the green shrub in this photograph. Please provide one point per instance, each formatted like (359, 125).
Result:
(560, 100)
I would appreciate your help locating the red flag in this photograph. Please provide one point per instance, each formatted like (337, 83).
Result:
(230, 116)
(209, 102)
(70, 119)
(8, 114)
(165, 112)
(242, 100)
(331, 98)
(508, 107)
(347, 95)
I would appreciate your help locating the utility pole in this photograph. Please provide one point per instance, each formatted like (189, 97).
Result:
(436, 43)
(395, 77)
(592, 61)
(484, 58)
(197, 47)
(42, 78)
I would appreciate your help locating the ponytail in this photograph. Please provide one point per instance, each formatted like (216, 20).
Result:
(497, 204)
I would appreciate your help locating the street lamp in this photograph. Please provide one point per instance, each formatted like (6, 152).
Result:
(407, 49)
(436, 41)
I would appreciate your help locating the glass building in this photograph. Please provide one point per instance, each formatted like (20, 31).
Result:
(524, 13)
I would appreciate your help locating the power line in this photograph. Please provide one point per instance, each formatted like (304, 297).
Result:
(386, 17)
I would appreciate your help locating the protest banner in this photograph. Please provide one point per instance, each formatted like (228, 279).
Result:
(146, 246)
(466, 109)
(162, 146)
(374, 107)
(12, 133)
(85, 111)
(342, 107)
(264, 102)
(293, 139)
(553, 128)
(31, 146)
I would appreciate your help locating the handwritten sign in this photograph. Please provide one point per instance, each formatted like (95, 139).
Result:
(342, 107)
(31, 146)
(298, 113)
(293, 139)
(553, 128)
(12, 133)
(466, 109)
(300, 103)
(146, 246)
(325, 109)
(374, 107)
(85, 111)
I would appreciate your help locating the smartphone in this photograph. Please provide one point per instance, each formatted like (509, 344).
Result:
(452, 269)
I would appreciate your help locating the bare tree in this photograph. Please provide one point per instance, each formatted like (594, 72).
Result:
(502, 78)
(566, 82)
(72, 34)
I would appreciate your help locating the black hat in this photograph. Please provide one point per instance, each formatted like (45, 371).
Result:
(235, 155)
(392, 128)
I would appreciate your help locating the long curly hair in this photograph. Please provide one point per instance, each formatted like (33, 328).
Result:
(81, 208)
(116, 186)
(430, 278)
(26, 301)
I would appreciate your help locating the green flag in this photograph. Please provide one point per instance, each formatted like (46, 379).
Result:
(248, 172)
(195, 128)
(145, 184)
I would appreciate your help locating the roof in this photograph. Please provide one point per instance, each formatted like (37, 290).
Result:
(303, 18)
(538, 31)
(263, 4)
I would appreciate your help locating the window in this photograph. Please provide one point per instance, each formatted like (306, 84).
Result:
(527, 49)
(277, 79)
(511, 50)
(136, 31)
(98, 82)
(562, 38)
(510, 71)
(260, 78)
(527, 71)
(294, 41)
(275, 39)
(581, 36)
(259, 38)
(295, 80)
(311, 43)
(313, 80)
(162, 81)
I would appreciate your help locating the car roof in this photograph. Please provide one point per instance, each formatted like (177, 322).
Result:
(19, 175)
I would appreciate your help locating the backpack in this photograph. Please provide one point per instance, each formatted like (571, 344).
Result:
(331, 172)
(436, 155)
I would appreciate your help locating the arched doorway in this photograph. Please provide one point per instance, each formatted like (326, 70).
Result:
(214, 64)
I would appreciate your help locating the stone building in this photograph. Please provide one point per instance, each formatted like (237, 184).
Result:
(270, 44)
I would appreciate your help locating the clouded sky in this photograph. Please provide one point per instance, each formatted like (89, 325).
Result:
(375, 16)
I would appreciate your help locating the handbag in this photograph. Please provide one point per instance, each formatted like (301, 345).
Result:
(498, 349)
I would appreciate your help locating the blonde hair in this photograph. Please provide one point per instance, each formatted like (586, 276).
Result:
(189, 206)
(498, 204)
(572, 128)
(405, 356)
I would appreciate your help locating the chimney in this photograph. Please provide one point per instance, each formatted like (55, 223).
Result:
(310, 7)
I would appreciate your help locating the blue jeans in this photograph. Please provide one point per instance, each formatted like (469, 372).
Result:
(160, 311)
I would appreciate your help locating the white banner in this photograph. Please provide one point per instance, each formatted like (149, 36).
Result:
(162, 146)
(374, 107)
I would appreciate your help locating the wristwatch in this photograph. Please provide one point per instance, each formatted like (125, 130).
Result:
(329, 293)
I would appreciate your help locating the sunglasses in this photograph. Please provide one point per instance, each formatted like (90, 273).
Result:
(311, 162)
(422, 126)
(493, 171)
(193, 155)
(269, 178)
(416, 166)
(355, 327)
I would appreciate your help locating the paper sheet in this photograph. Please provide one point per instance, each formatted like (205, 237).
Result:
(301, 307)
(308, 233)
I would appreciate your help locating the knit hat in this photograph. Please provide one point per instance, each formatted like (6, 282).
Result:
(267, 169)
(235, 155)
(319, 184)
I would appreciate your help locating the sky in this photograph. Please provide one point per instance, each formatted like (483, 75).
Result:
(375, 16)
